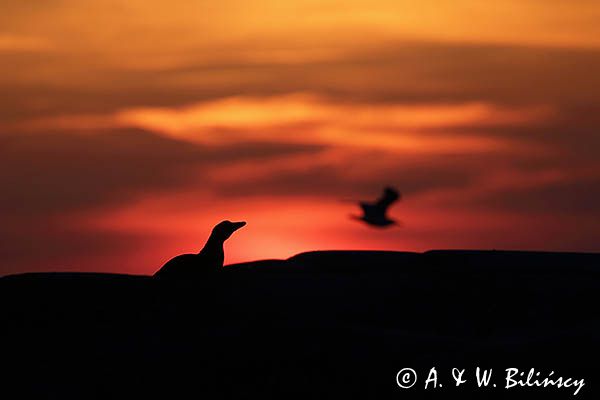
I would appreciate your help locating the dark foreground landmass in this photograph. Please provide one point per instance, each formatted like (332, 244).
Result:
(319, 325)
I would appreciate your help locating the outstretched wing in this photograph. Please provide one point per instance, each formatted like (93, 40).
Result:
(390, 195)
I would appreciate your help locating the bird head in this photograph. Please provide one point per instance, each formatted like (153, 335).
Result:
(223, 230)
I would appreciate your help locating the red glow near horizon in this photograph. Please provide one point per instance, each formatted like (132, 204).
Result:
(305, 224)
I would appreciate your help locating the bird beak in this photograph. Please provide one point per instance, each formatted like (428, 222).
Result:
(238, 225)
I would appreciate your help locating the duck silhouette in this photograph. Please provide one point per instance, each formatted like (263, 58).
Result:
(208, 260)
(375, 214)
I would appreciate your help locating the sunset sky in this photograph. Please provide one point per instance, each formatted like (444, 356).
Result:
(129, 128)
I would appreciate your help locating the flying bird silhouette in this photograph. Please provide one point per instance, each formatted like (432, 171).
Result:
(207, 261)
(375, 214)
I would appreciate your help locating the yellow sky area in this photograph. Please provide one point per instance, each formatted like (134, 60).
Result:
(153, 31)
(305, 118)
(256, 112)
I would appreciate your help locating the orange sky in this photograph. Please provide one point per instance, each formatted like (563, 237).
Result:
(127, 129)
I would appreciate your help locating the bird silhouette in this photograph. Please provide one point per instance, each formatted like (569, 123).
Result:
(208, 260)
(375, 214)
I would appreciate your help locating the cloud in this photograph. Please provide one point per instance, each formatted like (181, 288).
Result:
(64, 172)
(569, 196)
(410, 73)
(306, 119)
(347, 177)
(323, 119)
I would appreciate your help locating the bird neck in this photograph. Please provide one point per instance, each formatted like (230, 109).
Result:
(213, 245)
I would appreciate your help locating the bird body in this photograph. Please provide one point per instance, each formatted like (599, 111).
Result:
(208, 261)
(375, 214)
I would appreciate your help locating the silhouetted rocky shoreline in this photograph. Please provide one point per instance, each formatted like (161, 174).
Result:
(318, 325)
